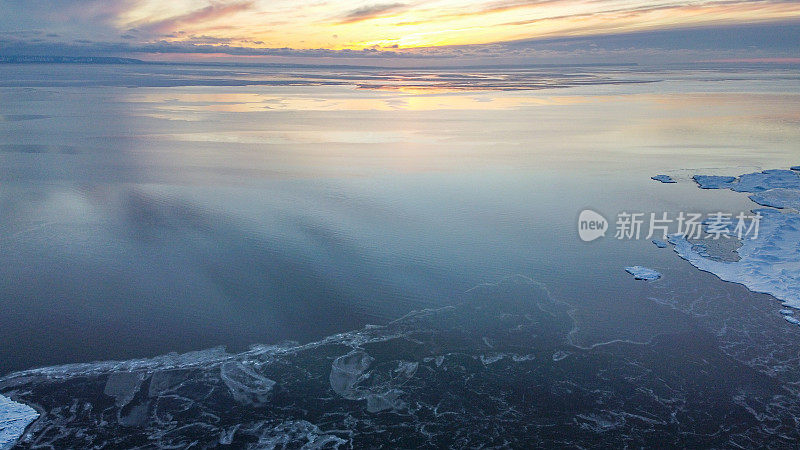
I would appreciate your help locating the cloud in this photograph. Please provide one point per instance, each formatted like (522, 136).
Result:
(765, 42)
(243, 27)
(81, 10)
(503, 6)
(371, 12)
(210, 13)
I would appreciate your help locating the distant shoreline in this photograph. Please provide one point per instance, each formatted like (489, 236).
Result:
(45, 59)
(68, 60)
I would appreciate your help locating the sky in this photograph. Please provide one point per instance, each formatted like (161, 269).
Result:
(465, 31)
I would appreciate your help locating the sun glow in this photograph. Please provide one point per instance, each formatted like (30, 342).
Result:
(348, 25)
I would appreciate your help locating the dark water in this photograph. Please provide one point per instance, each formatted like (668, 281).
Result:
(494, 370)
(147, 210)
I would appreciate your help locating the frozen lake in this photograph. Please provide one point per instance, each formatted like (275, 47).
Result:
(149, 209)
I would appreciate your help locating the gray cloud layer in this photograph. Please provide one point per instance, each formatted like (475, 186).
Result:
(43, 27)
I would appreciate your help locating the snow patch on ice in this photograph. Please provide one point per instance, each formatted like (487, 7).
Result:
(14, 418)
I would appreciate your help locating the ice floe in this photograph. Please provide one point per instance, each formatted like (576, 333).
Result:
(14, 418)
(769, 262)
(713, 181)
(559, 355)
(643, 273)
(245, 384)
(296, 433)
(768, 179)
(347, 371)
(123, 386)
(751, 182)
(664, 179)
(780, 198)
(659, 243)
(351, 379)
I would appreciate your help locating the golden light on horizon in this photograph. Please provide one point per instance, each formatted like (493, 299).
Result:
(347, 25)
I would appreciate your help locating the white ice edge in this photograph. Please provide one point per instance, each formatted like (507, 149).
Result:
(770, 263)
(14, 418)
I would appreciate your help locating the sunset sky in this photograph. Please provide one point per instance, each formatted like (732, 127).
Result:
(389, 28)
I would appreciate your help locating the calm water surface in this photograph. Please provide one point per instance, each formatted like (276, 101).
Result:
(150, 209)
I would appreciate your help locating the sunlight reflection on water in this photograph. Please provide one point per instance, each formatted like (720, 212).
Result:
(184, 217)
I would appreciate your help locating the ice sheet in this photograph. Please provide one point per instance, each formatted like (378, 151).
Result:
(14, 418)
(770, 262)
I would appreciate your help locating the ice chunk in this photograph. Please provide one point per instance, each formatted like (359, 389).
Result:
(491, 359)
(787, 312)
(559, 355)
(663, 178)
(245, 384)
(347, 371)
(123, 386)
(385, 401)
(791, 319)
(713, 181)
(291, 434)
(134, 416)
(407, 368)
(778, 198)
(353, 377)
(659, 243)
(14, 418)
(643, 273)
